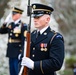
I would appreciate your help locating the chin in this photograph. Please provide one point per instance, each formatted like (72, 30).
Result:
(36, 25)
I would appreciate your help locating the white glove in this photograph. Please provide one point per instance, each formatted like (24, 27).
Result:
(8, 18)
(27, 62)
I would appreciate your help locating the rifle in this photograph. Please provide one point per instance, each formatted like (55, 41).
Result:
(24, 69)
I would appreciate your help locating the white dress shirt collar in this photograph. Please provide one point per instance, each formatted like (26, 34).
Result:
(16, 21)
(42, 30)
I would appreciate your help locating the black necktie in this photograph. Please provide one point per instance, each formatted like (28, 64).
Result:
(12, 23)
(38, 34)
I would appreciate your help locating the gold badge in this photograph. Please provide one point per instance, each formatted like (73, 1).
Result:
(34, 6)
(16, 35)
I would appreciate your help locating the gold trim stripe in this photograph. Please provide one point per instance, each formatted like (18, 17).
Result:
(17, 11)
(53, 38)
(42, 9)
(41, 67)
(13, 40)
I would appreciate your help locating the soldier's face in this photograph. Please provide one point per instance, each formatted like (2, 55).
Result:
(41, 22)
(16, 16)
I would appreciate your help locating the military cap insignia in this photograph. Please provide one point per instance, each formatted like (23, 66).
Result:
(34, 6)
(47, 12)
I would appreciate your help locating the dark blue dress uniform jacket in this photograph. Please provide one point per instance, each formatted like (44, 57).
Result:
(47, 52)
(15, 38)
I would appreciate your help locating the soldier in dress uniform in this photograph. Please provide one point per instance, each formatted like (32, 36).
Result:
(15, 30)
(47, 46)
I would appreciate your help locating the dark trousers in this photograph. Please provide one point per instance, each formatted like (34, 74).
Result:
(13, 66)
(74, 70)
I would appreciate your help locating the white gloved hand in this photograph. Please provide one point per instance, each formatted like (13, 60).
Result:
(8, 18)
(27, 62)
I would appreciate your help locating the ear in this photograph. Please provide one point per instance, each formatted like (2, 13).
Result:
(48, 18)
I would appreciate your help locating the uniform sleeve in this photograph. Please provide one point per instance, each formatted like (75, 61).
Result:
(3, 29)
(56, 57)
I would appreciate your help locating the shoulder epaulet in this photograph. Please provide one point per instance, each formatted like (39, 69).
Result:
(34, 31)
(53, 31)
(24, 24)
(54, 34)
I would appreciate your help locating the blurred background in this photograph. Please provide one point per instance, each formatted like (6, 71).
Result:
(63, 20)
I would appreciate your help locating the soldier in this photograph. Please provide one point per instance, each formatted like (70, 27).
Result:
(47, 46)
(15, 30)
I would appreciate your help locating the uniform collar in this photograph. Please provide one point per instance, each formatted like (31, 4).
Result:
(43, 36)
(42, 30)
(17, 21)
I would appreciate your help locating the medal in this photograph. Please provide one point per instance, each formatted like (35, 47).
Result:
(42, 45)
(45, 47)
(17, 30)
(42, 49)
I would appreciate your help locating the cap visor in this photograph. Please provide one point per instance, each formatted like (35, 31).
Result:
(37, 15)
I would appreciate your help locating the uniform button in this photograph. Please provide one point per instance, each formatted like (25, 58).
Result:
(33, 55)
(19, 45)
(10, 34)
(20, 50)
(34, 48)
(11, 30)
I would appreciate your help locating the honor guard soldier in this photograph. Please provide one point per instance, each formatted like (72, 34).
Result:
(15, 30)
(47, 46)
